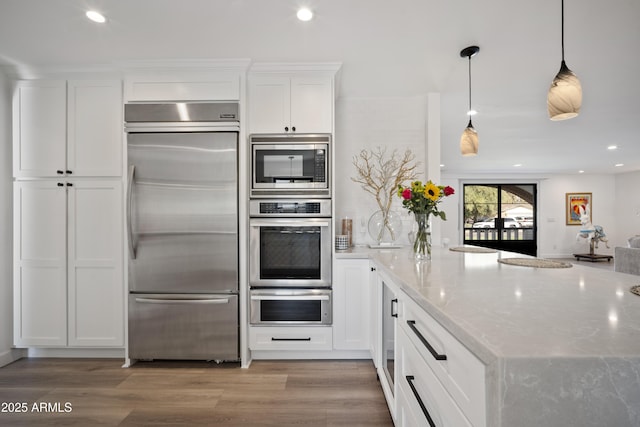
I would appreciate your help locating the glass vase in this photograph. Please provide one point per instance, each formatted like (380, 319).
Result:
(422, 242)
(385, 228)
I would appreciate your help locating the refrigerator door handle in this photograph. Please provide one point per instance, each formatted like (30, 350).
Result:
(132, 243)
(183, 301)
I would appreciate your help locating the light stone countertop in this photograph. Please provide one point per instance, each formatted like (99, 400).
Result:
(561, 345)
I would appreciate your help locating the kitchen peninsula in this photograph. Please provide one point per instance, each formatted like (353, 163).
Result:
(547, 346)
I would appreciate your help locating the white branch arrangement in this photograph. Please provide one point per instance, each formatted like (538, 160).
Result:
(381, 174)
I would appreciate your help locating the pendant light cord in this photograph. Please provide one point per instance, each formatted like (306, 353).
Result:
(469, 112)
(562, 31)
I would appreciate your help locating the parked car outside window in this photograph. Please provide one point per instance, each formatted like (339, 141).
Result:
(490, 223)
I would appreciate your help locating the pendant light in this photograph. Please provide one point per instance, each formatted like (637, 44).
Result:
(469, 139)
(565, 94)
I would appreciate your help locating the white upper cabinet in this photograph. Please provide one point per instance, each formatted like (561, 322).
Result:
(94, 135)
(67, 128)
(183, 86)
(291, 103)
(39, 128)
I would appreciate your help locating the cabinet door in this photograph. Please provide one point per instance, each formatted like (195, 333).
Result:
(94, 142)
(95, 265)
(39, 128)
(269, 104)
(312, 104)
(351, 304)
(40, 292)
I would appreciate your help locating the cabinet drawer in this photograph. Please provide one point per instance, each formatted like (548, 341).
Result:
(290, 338)
(422, 399)
(459, 371)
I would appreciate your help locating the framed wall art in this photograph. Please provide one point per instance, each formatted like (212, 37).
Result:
(577, 204)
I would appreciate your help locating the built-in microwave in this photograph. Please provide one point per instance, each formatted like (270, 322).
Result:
(290, 165)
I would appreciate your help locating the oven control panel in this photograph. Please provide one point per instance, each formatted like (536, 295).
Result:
(290, 208)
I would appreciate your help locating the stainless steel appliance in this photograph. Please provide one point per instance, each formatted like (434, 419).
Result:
(290, 243)
(182, 223)
(389, 317)
(290, 165)
(290, 306)
(290, 262)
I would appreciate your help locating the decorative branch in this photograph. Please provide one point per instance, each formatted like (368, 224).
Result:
(380, 175)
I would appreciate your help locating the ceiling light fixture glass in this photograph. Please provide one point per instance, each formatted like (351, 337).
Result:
(565, 94)
(469, 139)
(304, 14)
(96, 16)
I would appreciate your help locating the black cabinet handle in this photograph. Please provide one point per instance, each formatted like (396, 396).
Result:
(69, 184)
(286, 128)
(410, 379)
(60, 184)
(69, 172)
(434, 353)
(373, 269)
(293, 128)
(59, 172)
(290, 339)
(394, 301)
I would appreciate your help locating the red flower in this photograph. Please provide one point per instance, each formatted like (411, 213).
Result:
(406, 194)
(448, 191)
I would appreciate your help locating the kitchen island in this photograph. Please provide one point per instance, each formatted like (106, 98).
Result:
(560, 346)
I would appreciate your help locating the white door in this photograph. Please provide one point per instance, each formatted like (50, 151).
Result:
(95, 264)
(269, 104)
(39, 128)
(351, 304)
(40, 291)
(311, 104)
(94, 142)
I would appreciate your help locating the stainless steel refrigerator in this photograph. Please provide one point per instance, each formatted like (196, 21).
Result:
(182, 224)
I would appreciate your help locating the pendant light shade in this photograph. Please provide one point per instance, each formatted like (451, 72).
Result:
(469, 141)
(565, 94)
(469, 138)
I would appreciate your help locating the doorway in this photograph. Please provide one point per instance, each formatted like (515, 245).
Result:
(501, 216)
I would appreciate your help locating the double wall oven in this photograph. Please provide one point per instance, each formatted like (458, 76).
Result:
(290, 230)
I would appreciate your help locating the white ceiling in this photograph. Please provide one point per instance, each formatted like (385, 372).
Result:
(388, 49)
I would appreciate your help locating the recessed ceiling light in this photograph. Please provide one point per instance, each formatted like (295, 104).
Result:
(517, 165)
(96, 16)
(612, 147)
(580, 171)
(441, 165)
(619, 165)
(304, 14)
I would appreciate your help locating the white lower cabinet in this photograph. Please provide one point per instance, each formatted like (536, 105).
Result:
(436, 380)
(351, 304)
(68, 273)
(290, 338)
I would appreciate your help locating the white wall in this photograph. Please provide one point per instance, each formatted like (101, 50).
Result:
(7, 355)
(365, 123)
(627, 206)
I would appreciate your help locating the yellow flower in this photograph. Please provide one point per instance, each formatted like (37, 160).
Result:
(431, 191)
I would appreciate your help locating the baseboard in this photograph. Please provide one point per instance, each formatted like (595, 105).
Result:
(107, 353)
(11, 356)
(309, 355)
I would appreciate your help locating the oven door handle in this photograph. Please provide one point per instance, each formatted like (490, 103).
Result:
(289, 223)
(289, 297)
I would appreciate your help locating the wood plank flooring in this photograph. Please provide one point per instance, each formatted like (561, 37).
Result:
(92, 392)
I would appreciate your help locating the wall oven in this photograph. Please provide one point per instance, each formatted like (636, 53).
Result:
(290, 243)
(290, 306)
(290, 165)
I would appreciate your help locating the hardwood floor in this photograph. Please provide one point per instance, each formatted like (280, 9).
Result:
(88, 392)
